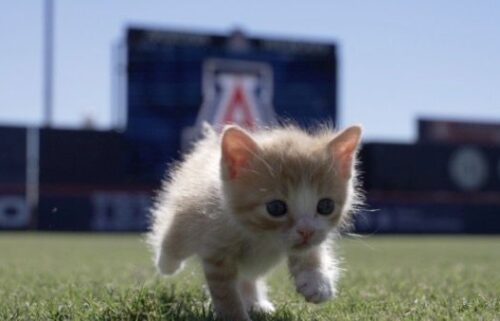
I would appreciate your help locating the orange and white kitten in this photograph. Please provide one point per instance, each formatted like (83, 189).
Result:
(244, 201)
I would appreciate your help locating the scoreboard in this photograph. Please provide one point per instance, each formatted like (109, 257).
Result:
(178, 80)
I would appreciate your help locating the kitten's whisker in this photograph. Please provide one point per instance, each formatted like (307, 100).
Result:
(360, 238)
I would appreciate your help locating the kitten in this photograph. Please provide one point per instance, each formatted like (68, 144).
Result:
(244, 201)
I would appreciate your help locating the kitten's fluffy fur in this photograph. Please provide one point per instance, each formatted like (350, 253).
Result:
(214, 205)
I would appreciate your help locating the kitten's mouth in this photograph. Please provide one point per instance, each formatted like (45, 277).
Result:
(306, 244)
(302, 245)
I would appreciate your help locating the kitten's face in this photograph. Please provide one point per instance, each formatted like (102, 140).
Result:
(290, 186)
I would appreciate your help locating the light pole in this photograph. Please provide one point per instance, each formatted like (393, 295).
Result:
(33, 132)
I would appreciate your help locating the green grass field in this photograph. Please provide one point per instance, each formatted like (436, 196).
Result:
(111, 277)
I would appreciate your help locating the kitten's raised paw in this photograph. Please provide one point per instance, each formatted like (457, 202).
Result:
(167, 265)
(315, 286)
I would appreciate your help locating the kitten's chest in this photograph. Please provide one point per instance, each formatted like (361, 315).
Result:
(258, 257)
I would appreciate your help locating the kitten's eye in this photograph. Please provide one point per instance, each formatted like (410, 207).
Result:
(276, 208)
(325, 206)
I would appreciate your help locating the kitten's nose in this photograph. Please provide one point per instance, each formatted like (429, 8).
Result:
(305, 233)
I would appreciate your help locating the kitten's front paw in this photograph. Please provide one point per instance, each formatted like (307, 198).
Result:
(315, 286)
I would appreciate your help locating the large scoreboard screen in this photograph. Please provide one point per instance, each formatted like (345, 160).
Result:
(178, 80)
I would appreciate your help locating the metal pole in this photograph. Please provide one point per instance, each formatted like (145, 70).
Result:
(48, 65)
(33, 133)
(32, 173)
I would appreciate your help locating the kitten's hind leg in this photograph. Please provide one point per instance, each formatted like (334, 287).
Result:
(254, 295)
(221, 276)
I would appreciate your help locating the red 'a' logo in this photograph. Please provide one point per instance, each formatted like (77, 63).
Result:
(238, 109)
(234, 92)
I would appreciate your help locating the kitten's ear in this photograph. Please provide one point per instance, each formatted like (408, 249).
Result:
(238, 148)
(343, 148)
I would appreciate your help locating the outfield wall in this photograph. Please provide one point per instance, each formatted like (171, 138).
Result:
(117, 209)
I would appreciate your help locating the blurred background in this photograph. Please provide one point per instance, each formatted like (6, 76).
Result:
(97, 98)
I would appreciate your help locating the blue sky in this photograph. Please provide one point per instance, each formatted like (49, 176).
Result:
(400, 60)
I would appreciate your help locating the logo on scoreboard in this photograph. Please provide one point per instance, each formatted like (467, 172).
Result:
(468, 168)
(234, 92)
